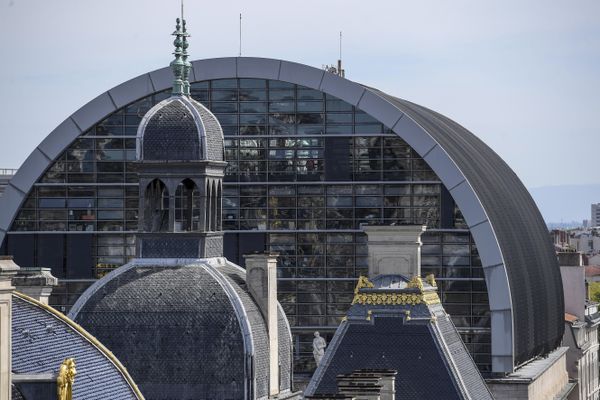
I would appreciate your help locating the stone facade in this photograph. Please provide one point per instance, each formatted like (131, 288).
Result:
(581, 329)
(7, 270)
(542, 379)
(394, 250)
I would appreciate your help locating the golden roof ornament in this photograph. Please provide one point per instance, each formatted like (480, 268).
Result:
(363, 282)
(415, 283)
(430, 278)
(66, 379)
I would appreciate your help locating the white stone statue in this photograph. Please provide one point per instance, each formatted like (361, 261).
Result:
(319, 345)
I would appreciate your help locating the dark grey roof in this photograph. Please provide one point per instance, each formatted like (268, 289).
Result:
(529, 257)
(16, 394)
(180, 128)
(184, 328)
(43, 339)
(418, 340)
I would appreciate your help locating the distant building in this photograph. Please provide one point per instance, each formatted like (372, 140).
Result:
(561, 239)
(595, 220)
(594, 260)
(581, 328)
(585, 241)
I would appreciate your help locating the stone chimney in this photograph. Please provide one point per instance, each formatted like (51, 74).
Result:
(394, 249)
(8, 269)
(572, 272)
(36, 283)
(261, 279)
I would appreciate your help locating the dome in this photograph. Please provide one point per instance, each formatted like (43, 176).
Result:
(179, 129)
(185, 327)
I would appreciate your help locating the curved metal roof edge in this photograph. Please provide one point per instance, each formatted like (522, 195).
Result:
(354, 93)
(87, 336)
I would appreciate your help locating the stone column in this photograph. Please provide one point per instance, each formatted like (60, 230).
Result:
(36, 283)
(394, 250)
(261, 278)
(7, 270)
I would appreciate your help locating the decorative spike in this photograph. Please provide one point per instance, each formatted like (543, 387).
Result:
(187, 66)
(178, 65)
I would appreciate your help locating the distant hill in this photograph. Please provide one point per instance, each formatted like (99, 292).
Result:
(566, 205)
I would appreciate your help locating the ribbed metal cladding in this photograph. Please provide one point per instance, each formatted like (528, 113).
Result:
(531, 265)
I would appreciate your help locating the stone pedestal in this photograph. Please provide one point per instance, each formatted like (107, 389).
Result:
(394, 249)
(8, 269)
(261, 278)
(36, 283)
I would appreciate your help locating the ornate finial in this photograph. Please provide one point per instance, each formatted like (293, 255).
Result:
(363, 282)
(187, 66)
(177, 65)
(431, 280)
(66, 379)
(415, 283)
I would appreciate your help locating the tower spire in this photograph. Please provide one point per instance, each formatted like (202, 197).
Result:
(178, 64)
(187, 66)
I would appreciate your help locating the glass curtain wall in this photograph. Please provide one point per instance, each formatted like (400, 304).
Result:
(305, 171)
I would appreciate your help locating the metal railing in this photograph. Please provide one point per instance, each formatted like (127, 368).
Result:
(8, 171)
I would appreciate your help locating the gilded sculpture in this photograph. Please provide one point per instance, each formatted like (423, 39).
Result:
(363, 282)
(393, 298)
(431, 280)
(66, 379)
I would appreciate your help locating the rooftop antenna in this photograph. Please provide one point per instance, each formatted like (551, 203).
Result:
(332, 68)
(240, 53)
(341, 71)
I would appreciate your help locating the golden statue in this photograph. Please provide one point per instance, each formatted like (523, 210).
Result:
(65, 379)
(431, 280)
(415, 283)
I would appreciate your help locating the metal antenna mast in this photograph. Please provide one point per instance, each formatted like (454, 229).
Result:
(240, 53)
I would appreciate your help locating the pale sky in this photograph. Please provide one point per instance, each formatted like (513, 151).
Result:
(524, 76)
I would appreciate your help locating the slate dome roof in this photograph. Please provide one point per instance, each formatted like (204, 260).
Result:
(183, 327)
(41, 340)
(179, 129)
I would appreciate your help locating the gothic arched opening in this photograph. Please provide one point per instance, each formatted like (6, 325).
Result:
(156, 207)
(187, 210)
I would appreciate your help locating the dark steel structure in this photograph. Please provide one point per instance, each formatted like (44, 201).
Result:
(310, 157)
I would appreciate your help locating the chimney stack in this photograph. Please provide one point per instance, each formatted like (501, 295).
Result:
(36, 283)
(261, 278)
(8, 269)
(394, 249)
(572, 272)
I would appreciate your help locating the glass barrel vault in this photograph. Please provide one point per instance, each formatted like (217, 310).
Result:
(305, 170)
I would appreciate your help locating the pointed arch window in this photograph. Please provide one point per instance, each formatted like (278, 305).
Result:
(156, 207)
(187, 211)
